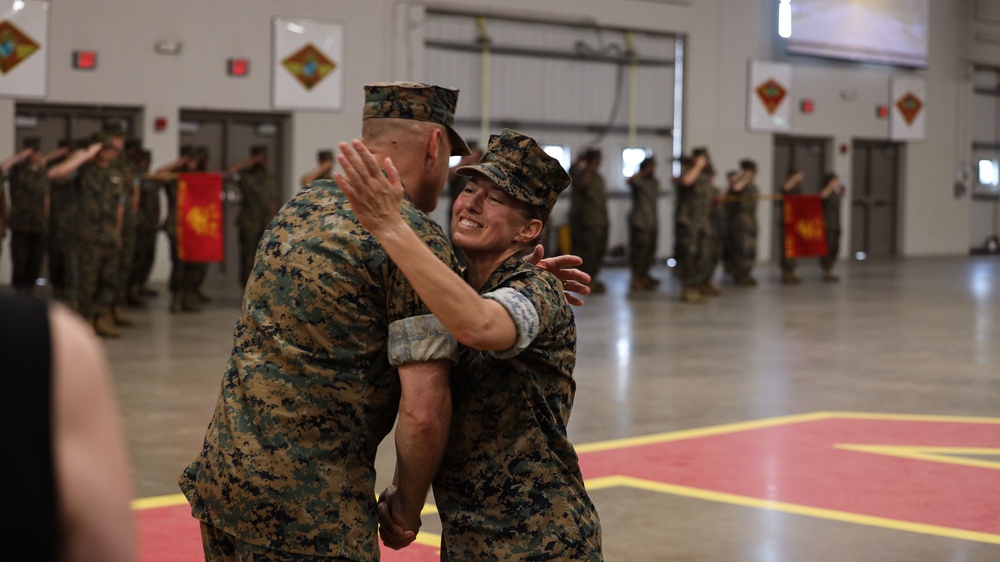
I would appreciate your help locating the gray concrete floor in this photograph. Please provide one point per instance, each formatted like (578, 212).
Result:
(914, 337)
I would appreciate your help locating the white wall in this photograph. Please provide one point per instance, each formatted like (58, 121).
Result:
(382, 43)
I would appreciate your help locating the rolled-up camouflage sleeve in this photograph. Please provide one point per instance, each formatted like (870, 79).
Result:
(420, 338)
(525, 317)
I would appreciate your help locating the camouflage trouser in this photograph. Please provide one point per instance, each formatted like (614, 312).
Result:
(832, 249)
(127, 259)
(249, 238)
(185, 276)
(98, 278)
(590, 243)
(220, 546)
(27, 252)
(696, 258)
(145, 256)
(642, 250)
(64, 269)
(741, 252)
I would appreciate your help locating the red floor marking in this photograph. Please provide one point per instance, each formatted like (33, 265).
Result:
(798, 464)
(793, 463)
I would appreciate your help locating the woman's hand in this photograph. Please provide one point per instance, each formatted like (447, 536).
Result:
(375, 196)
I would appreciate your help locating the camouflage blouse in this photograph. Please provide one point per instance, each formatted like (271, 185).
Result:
(742, 213)
(510, 486)
(645, 198)
(588, 204)
(259, 190)
(100, 196)
(694, 205)
(29, 187)
(310, 391)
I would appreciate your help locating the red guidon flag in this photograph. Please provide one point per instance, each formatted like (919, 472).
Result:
(199, 217)
(805, 230)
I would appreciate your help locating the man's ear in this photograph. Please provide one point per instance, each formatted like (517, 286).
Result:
(432, 148)
(529, 232)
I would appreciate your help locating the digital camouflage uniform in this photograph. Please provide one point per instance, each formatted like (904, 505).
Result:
(715, 236)
(147, 227)
(64, 243)
(185, 276)
(831, 220)
(643, 226)
(509, 486)
(741, 232)
(588, 221)
(693, 228)
(131, 175)
(311, 389)
(100, 199)
(260, 192)
(28, 223)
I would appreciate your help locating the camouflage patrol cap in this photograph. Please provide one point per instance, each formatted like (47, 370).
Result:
(521, 169)
(107, 139)
(420, 102)
(325, 156)
(34, 143)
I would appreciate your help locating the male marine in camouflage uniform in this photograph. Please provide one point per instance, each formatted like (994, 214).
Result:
(101, 202)
(259, 190)
(185, 276)
(29, 216)
(588, 215)
(147, 227)
(741, 224)
(331, 342)
(693, 225)
(832, 192)
(130, 202)
(64, 224)
(643, 225)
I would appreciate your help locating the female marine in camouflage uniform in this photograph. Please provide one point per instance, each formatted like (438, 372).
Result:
(509, 486)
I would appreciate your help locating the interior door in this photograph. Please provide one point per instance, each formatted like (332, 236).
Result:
(874, 189)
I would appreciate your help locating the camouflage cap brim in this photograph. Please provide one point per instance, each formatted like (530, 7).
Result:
(416, 101)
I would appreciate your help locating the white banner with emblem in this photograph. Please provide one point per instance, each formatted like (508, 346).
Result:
(307, 67)
(908, 107)
(769, 93)
(24, 49)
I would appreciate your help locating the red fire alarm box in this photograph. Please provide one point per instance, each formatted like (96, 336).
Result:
(238, 67)
(84, 60)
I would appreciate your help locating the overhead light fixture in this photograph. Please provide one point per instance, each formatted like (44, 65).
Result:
(168, 47)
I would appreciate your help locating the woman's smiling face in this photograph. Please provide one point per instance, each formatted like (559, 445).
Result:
(485, 219)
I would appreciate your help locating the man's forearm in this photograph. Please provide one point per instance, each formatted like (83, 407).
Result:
(420, 437)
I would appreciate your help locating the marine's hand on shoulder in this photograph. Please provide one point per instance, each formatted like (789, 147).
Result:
(573, 280)
(375, 197)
